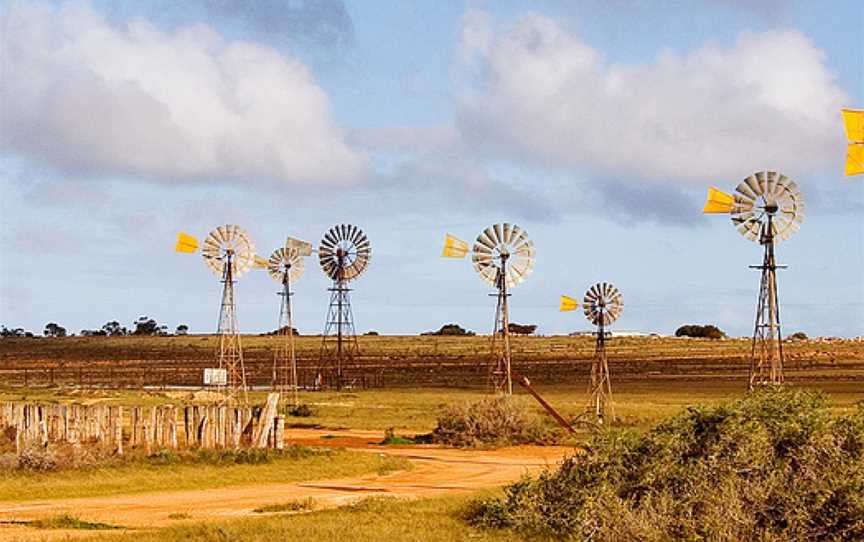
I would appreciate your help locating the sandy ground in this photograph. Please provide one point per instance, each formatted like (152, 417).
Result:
(437, 471)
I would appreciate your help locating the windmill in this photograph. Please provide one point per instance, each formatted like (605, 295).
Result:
(344, 255)
(503, 256)
(767, 208)
(229, 252)
(853, 120)
(285, 266)
(602, 305)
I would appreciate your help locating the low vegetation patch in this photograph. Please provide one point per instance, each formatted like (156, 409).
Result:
(492, 421)
(300, 411)
(391, 463)
(64, 521)
(392, 439)
(296, 505)
(775, 465)
(57, 457)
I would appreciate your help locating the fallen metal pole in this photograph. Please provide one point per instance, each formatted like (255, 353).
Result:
(525, 383)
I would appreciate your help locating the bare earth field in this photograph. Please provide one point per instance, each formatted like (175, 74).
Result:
(407, 361)
(400, 383)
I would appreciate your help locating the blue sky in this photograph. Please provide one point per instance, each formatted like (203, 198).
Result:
(596, 126)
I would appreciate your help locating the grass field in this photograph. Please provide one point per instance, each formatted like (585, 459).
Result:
(161, 475)
(373, 520)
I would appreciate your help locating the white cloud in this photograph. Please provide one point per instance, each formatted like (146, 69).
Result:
(86, 96)
(540, 93)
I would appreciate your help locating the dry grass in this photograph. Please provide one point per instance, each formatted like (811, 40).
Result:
(369, 520)
(168, 472)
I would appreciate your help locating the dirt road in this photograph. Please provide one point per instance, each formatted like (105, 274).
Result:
(437, 471)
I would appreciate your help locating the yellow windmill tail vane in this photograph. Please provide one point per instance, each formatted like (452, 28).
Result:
(186, 243)
(259, 263)
(853, 121)
(454, 247)
(568, 304)
(718, 202)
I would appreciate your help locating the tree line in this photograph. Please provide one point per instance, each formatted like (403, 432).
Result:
(143, 326)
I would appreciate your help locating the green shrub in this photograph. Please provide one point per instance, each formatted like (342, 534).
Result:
(495, 421)
(301, 411)
(775, 465)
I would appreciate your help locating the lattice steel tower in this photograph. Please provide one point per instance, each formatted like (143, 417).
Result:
(285, 266)
(344, 254)
(229, 355)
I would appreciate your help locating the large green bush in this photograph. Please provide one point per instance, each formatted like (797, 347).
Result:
(773, 466)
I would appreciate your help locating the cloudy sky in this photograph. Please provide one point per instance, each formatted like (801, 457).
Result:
(595, 125)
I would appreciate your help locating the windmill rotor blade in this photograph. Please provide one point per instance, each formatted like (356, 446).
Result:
(506, 232)
(499, 234)
(753, 185)
(770, 183)
(487, 238)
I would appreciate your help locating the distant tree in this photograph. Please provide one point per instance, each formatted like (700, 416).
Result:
(182, 329)
(283, 329)
(16, 332)
(93, 333)
(148, 326)
(371, 333)
(699, 331)
(114, 329)
(450, 329)
(519, 329)
(54, 330)
(798, 336)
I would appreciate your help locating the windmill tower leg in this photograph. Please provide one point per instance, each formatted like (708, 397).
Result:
(766, 360)
(600, 387)
(339, 344)
(285, 361)
(230, 354)
(292, 354)
(501, 374)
